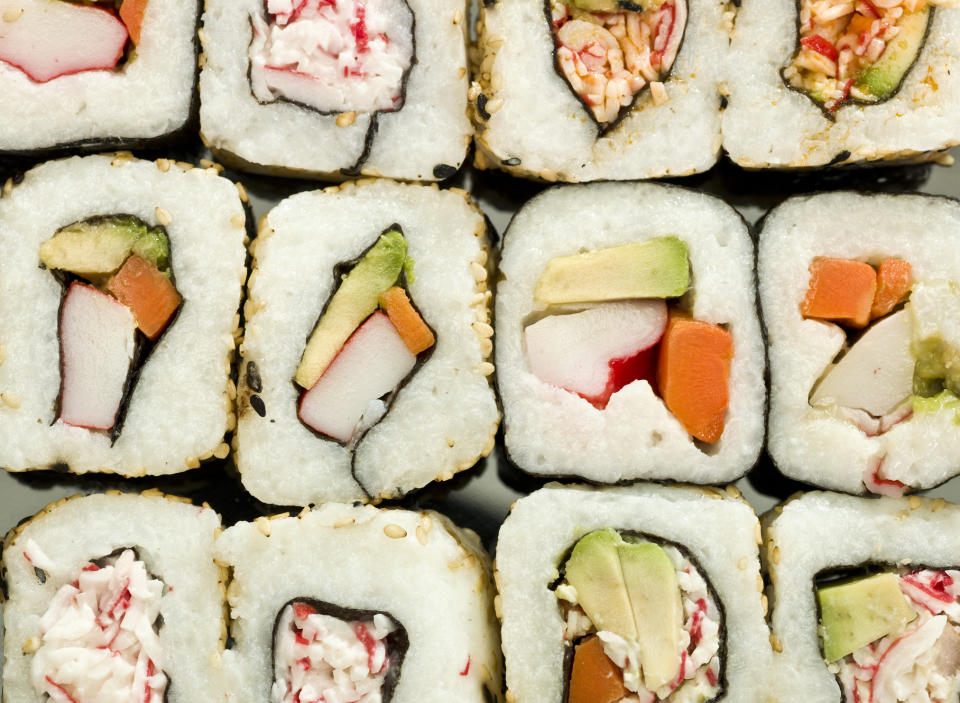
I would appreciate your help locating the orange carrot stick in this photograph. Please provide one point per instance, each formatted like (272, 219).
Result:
(840, 289)
(693, 372)
(131, 14)
(148, 293)
(594, 678)
(412, 329)
(894, 279)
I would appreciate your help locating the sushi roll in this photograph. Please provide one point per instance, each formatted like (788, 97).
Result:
(632, 594)
(582, 90)
(861, 325)
(317, 89)
(120, 285)
(359, 604)
(364, 360)
(113, 597)
(866, 598)
(94, 75)
(822, 82)
(628, 345)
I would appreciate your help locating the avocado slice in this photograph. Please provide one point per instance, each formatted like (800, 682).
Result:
(656, 268)
(935, 344)
(855, 613)
(353, 302)
(100, 245)
(883, 78)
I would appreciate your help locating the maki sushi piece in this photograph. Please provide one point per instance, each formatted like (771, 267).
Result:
(869, 616)
(619, 594)
(118, 315)
(823, 82)
(107, 73)
(113, 597)
(364, 363)
(861, 326)
(629, 349)
(313, 88)
(581, 90)
(358, 604)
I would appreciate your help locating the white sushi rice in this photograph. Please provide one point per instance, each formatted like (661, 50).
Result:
(721, 533)
(550, 431)
(537, 126)
(767, 124)
(813, 445)
(442, 420)
(820, 531)
(181, 406)
(430, 130)
(175, 542)
(149, 97)
(431, 577)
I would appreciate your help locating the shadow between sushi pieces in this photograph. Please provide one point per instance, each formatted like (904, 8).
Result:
(765, 478)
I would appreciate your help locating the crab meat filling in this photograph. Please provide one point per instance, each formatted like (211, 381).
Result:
(100, 636)
(609, 57)
(332, 56)
(323, 658)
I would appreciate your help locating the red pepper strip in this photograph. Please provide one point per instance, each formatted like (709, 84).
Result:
(696, 621)
(466, 669)
(817, 43)
(711, 677)
(91, 567)
(302, 610)
(300, 638)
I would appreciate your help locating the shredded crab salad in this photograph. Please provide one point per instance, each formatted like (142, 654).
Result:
(609, 57)
(699, 672)
(322, 659)
(100, 641)
(332, 55)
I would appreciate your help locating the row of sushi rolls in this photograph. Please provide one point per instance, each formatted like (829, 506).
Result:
(340, 352)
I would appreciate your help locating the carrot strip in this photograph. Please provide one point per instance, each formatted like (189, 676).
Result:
(147, 292)
(131, 14)
(693, 372)
(412, 329)
(894, 279)
(594, 678)
(841, 290)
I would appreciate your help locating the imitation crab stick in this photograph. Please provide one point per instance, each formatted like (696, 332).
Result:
(693, 371)
(894, 279)
(594, 678)
(414, 332)
(131, 14)
(840, 289)
(147, 292)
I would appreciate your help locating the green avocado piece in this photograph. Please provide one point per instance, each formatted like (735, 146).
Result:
(855, 613)
(100, 245)
(656, 268)
(153, 246)
(654, 593)
(882, 79)
(594, 570)
(944, 401)
(935, 344)
(353, 302)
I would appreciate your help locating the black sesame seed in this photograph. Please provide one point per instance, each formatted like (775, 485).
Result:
(254, 382)
(256, 402)
(41, 574)
(444, 170)
(482, 106)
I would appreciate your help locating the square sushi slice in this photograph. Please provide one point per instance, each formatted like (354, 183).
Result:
(348, 603)
(624, 594)
(583, 90)
(814, 83)
(364, 371)
(114, 597)
(311, 88)
(862, 326)
(120, 284)
(628, 344)
(94, 75)
(866, 598)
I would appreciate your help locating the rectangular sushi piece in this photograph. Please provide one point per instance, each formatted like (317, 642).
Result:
(311, 88)
(633, 594)
(862, 325)
(583, 90)
(364, 361)
(113, 597)
(822, 82)
(628, 344)
(120, 284)
(358, 604)
(866, 598)
(82, 76)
